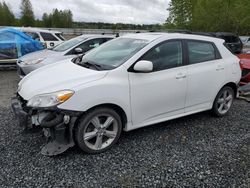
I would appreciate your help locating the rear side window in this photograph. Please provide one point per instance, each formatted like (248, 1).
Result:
(48, 37)
(60, 36)
(200, 52)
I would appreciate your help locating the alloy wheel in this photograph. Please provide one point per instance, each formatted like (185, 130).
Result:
(100, 131)
(225, 101)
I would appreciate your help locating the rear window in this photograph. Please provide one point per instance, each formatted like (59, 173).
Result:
(200, 52)
(48, 37)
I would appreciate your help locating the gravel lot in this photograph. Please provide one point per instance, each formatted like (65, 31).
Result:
(195, 151)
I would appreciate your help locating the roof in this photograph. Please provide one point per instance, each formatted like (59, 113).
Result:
(30, 29)
(88, 36)
(153, 36)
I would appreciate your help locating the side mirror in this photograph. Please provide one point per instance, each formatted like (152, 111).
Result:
(78, 59)
(143, 66)
(78, 50)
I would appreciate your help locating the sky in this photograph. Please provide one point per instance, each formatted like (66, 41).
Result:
(109, 11)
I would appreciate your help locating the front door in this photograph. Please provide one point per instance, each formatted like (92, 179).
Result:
(160, 93)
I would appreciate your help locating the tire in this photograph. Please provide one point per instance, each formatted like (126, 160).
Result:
(98, 130)
(223, 102)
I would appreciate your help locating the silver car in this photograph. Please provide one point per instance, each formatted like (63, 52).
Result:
(68, 49)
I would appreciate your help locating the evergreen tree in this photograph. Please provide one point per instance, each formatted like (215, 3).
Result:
(47, 21)
(6, 15)
(27, 15)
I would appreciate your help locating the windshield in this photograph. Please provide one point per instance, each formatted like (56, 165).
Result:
(114, 53)
(68, 44)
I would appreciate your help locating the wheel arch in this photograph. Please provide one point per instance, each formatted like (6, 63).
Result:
(233, 86)
(115, 107)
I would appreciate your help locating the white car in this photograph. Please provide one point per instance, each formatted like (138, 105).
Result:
(48, 38)
(128, 83)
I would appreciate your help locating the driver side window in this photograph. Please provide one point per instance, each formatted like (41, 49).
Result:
(167, 55)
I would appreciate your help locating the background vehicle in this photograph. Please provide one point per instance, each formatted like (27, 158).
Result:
(245, 40)
(48, 38)
(245, 66)
(232, 40)
(14, 44)
(65, 50)
(127, 83)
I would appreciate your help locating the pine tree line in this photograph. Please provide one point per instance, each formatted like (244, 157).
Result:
(58, 18)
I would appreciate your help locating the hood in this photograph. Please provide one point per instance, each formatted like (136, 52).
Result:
(40, 54)
(59, 76)
(55, 59)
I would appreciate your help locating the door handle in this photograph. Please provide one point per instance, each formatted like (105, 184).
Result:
(219, 68)
(180, 76)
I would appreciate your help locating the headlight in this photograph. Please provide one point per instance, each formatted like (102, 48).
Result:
(32, 62)
(50, 99)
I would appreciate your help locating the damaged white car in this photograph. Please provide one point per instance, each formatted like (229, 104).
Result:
(130, 82)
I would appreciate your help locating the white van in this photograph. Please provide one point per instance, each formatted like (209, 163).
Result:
(49, 38)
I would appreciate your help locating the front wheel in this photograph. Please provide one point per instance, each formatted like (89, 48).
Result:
(98, 130)
(223, 101)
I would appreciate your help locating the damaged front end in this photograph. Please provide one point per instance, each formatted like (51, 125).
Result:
(57, 124)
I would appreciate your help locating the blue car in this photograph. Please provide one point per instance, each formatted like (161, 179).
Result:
(14, 44)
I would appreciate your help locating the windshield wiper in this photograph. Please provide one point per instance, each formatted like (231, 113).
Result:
(88, 65)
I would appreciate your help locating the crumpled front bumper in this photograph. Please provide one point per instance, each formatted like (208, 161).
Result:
(21, 115)
(57, 125)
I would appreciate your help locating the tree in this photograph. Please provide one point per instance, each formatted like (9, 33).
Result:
(180, 13)
(6, 15)
(27, 15)
(47, 21)
(58, 18)
(210, 15)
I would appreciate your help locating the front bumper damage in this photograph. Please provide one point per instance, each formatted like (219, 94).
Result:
(57, 125)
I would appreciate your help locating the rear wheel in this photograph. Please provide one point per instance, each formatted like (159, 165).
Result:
(223, 101)
(98, 130)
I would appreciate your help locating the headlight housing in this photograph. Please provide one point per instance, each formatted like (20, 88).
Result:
(50, 99)
(33, 62)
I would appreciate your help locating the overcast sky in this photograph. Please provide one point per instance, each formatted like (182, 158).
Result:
(111, 11)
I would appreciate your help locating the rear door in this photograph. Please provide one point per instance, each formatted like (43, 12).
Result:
(206, 74)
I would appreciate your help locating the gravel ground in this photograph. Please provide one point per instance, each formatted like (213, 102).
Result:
(195, 151)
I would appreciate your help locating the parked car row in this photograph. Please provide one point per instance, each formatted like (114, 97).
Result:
(124, 84)
(68, 49)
